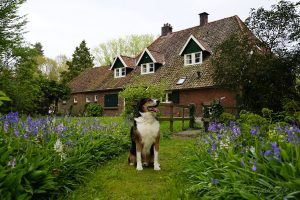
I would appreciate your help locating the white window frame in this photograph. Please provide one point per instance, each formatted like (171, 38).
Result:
(148, 66)
(181, 80)
(166, 100)
(75, 100)
(193, 56)
(96, 98)
(87, 99)
(120, 72)
(64, 102)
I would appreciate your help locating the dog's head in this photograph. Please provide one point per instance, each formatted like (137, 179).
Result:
(148, 105)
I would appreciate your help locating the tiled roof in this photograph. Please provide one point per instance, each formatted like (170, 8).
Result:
(165, 50)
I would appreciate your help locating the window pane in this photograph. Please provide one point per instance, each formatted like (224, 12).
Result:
(144, 68)
(117, 73)
(188, 59)
(197, 57)
(123, 71)
(151, 67)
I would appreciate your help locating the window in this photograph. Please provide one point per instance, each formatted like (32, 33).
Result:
(181, 80)
(120, 72)
(87, 99)
(193, 58)
(75, 100)
(64, 102)
(96, 98)
(111, 100)
(167, 98)
(147, 68)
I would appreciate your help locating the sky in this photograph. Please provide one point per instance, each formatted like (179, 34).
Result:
(60, 25)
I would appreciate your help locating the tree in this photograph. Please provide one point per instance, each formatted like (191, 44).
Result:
(278, 28)
(130, 45)
(39, 47)
(11, 30)
(264, 80)
(81, 60)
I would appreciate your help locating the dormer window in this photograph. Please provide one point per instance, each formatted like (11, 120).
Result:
(120, 72)
(87, 99)
(193, 58)
(147, 68)
(192, 51)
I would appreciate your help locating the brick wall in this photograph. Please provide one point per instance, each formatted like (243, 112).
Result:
(195, 96)
(78, 108)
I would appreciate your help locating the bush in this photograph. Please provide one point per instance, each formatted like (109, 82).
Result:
(132, 94)
(253, 119)
(94, 110)
(226, 118)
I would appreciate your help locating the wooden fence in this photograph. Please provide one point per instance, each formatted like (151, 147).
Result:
(185, 115)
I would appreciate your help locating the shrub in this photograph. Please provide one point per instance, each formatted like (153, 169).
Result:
(94, 110)
(132, 94)
(253, 119)
(216, 110)
(226, 118)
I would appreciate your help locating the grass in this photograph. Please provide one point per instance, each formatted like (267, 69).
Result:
(118, 180)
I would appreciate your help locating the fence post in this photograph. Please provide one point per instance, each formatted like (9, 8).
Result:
(192, 110)
(171, 117)
(182, 124)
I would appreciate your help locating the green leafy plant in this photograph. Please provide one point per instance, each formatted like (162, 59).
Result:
(94, 110)
(3, 97)
(132, 94)
(226, 118)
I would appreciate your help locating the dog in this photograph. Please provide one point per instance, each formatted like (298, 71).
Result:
(145, 135)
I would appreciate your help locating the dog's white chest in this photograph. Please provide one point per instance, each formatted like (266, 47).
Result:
(148, 127)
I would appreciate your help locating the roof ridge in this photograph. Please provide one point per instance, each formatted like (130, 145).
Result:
(234, 16)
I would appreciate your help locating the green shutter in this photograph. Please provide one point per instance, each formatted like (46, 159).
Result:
(175, 97)
(111, 100)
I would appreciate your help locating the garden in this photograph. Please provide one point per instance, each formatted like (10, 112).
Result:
(252, 157)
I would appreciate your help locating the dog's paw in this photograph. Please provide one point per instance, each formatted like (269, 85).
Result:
(156, 167)
(139, 167)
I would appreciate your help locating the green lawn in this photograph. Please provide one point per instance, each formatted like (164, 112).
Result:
(118, 180)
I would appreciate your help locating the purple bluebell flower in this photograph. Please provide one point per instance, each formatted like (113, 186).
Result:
(236, 130)
(68, 143)
(242, 162)
(26, 135)
(231, 124)
(209, 151)
(254, 131)
(214, 146)
(17, 133)
(213, 127)
(253, 165)
(267, 153)
(214, 181)
(6, 126)
(276, 150)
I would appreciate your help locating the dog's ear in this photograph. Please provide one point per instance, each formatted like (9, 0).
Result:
(137, 109)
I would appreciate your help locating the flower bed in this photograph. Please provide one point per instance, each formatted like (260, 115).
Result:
(245, 161)
(44, 157)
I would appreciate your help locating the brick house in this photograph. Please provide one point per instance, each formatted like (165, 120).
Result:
(181, 58)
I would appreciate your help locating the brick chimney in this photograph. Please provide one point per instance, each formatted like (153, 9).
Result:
(203, 18)
(166, 29)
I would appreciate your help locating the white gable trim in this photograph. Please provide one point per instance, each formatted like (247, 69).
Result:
(195, 40)
(116, 61)
(148, 52)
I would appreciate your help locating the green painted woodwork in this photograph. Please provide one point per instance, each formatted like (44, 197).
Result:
(118, 64)
(191, 47)
(175, 96)
(145, 59)
(111, 100)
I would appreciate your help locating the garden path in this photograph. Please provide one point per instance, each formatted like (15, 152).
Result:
(118, 180)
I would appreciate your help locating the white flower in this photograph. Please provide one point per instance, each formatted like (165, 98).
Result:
(12, 163)
(58, 147)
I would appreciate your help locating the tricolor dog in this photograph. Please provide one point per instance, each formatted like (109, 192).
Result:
(145, 136)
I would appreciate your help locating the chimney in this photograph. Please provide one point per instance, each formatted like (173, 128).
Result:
(203, 18)
(166, 29)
